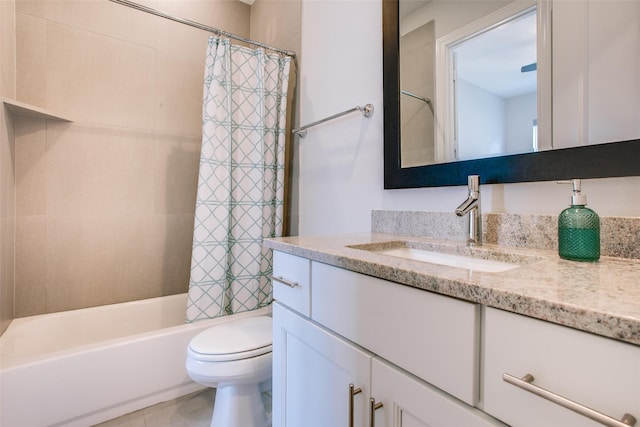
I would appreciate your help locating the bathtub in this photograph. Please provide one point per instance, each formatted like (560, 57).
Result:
(82, 367)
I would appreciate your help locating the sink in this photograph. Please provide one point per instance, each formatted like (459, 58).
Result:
(461, 261)
(470, 258)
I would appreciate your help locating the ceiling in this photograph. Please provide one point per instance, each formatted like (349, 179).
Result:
(407, 7)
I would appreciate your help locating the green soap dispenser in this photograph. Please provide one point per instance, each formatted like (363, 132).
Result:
(578, 228)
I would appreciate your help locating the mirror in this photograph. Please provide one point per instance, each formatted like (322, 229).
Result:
(405, 103)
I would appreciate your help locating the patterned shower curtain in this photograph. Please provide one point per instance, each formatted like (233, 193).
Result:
(240, 196)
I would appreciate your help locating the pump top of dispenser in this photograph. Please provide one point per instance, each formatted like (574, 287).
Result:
(577, 198)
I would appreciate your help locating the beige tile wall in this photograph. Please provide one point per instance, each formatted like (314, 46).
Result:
(418, 48)
(7, 164)
(278, 23)
(105, 204)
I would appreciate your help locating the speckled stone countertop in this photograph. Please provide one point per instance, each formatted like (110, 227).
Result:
(602, 298)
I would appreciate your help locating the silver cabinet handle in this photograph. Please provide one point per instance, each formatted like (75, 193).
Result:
(373, 407)
(285, 281)
(352, 392)
(526, 383)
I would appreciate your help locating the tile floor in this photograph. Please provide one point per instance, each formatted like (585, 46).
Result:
(192, 410)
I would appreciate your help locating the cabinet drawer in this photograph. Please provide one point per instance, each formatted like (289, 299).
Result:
(593, 371)
(292, 282)
(432, 336)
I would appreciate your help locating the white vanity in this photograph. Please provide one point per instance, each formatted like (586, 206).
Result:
(416, 344)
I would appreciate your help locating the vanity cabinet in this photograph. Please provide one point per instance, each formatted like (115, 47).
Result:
(593, 371)
(400, 346)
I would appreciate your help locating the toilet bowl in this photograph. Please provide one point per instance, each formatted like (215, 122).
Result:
(235, 358)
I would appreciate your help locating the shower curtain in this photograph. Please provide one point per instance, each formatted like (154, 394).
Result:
(240, 198)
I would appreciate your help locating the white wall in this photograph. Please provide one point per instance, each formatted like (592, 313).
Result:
(341, 162)
(520, 112)
(483, 114)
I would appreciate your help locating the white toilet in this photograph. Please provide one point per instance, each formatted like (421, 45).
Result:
(235, 358)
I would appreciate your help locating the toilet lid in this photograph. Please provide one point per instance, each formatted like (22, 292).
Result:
(233, 340)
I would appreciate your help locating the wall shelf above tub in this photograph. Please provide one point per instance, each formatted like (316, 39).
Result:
(28, 110)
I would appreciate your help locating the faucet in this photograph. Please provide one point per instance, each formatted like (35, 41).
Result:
(471, 206)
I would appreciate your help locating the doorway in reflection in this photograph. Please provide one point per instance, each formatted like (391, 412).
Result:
(494, 81)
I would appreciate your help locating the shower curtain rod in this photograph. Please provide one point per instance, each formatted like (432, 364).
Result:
(201, 26)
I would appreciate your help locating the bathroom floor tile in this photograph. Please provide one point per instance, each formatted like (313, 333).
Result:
(134, 419)
(193, 410)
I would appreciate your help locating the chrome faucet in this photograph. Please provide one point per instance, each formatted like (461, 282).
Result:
(471, 206)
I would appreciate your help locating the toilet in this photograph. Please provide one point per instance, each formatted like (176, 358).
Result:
(235, 358)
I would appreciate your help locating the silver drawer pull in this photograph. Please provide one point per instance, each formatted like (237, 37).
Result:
(284, 281)
(526, 383)
(373, 407)
(352, 392)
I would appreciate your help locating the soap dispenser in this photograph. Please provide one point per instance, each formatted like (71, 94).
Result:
(578, 228)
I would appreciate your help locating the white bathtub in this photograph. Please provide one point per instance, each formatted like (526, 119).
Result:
(82, 367)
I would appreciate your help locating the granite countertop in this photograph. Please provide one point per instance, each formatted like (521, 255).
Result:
(602, 298)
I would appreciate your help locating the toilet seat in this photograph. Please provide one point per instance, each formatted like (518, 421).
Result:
(234, 357)
(236, 340)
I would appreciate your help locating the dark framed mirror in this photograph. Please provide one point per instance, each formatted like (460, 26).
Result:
(612, 159)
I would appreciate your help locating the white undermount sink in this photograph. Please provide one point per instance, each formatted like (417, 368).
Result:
(479, 259)
(451, 260)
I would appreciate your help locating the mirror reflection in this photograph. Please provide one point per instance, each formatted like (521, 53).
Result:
(476, 78)
(493, 76)
(417, 67)
(483, 74)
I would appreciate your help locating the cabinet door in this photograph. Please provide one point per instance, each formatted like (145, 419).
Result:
(312, 370)
(593, 371)
(409, 402)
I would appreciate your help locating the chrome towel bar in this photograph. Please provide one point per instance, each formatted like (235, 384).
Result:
(413, 95)
(367, 110)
